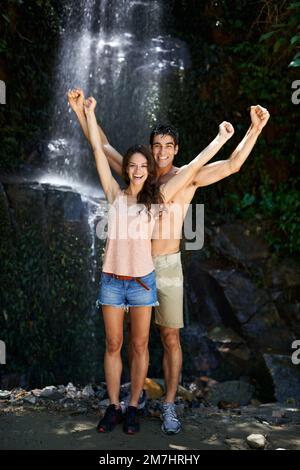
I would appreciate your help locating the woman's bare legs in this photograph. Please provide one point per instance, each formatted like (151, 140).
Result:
(140, 318)
(113, 320)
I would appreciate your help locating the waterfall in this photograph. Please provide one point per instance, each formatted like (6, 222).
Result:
(117, 52)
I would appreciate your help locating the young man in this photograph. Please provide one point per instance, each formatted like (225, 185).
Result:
(166, 249)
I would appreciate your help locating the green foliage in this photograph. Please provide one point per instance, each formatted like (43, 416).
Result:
(283, 206)
(241, 53)
(284, 36)
(26, 66)
(280, 207)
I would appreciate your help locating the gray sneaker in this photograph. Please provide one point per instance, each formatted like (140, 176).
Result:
(171, 423)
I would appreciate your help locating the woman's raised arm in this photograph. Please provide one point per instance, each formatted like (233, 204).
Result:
(109, 184)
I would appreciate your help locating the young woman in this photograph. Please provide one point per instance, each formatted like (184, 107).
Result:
(128, 277)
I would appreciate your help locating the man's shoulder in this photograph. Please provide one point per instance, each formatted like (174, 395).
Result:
(173, 171)
(177, 169)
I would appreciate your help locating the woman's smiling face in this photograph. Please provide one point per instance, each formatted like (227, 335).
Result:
(137, 169)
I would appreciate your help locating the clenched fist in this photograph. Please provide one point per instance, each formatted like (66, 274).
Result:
(89, 105)
(259, 116)
(76, 99)
(226, 130)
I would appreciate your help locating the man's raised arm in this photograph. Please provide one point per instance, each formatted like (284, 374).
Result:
(216, 171)
(76, 99)
(188, 173)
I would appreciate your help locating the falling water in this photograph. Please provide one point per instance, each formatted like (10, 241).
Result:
(117, 52)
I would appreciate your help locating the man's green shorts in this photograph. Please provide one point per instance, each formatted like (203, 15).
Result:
(169, 282)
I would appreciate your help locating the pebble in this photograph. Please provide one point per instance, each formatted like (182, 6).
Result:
(30, 399)
(88, 392)
(51, 393)
(256, 441)
(4, 394)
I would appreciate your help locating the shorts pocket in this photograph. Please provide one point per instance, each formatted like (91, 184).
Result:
(106, 279)
(149, 280)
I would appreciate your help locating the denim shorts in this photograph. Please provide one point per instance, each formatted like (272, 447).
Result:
(120, 293)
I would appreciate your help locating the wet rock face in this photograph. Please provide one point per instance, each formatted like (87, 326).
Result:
(235, 242)
(234, 391)
(241, 306)
(256, 313)
(283, 281)
(286, 377)
(50, 285)
(203, 356)
(207, 303)
(287, 274)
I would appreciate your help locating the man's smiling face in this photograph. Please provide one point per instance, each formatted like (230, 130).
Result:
(164, 150)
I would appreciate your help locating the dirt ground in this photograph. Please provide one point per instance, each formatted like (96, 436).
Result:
(207, 429)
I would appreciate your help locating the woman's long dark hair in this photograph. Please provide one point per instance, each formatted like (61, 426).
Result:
(150, 193)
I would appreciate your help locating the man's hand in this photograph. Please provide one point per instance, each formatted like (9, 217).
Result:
(89, 105)
(226, 130)
(259, 116)
(76, 99)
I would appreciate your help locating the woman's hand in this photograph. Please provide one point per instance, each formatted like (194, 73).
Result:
(226, 130)
(89, 105)
(76, 99)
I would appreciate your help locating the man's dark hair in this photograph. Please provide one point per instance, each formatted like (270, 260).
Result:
(165, 129)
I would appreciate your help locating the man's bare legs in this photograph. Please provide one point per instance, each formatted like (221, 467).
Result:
(139, 353)
(172, 363)
(172, 360)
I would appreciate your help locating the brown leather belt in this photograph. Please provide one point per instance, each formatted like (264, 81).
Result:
(129, 278)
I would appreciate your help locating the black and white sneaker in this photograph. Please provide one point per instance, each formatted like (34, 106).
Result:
(131, 420)
(111, 418)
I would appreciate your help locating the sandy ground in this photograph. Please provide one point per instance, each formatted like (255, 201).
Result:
(42, 429)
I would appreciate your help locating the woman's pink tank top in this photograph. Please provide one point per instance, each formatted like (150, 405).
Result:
(128, 245)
